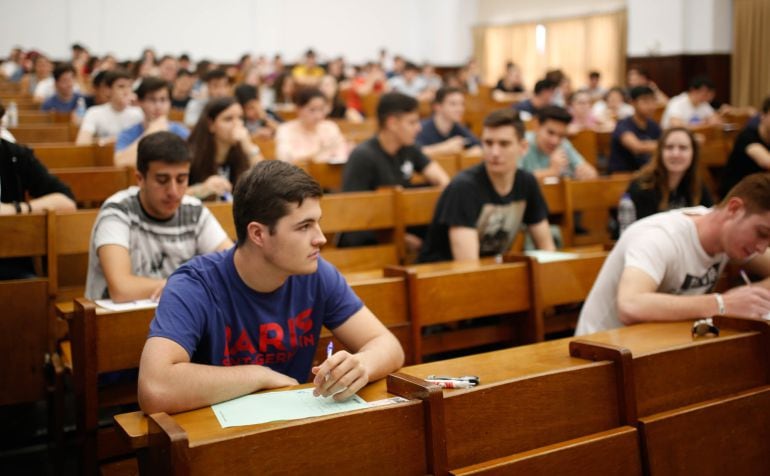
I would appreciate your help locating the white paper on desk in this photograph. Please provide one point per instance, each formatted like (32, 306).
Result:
(543, 256)
(126, 306)
(273, 406)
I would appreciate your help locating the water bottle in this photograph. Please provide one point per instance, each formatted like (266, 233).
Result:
(80, 108)
(626, 212)
(13, 114)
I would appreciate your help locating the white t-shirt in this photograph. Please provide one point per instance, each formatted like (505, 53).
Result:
(680, 107)
(664, 246)
(103, 121)
(47, 88)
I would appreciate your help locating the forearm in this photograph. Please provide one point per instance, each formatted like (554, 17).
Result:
(440, 148)
(186, 386)
(132, 288)
(127, 156)
(53, 201)
(381, 356)
(653, 306)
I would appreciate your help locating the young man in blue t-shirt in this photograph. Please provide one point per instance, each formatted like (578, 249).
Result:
(262, 302)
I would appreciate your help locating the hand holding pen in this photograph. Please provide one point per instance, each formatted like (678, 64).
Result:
(340, 376)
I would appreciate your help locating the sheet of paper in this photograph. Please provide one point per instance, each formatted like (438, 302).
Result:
(550, 256)
(126, 306)
(273, 406)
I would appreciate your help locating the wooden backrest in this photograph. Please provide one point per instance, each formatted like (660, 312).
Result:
(729, 435)
(64, 155)
(329, 176)
(448, 162)
(465, 161)
(442, 293)
(94, 185)
(586, 143)
(600, 194)
(223, 212)
(553, 193)
(519, 415)
(266, 146)
(415, 206)
(25, 320)
(377, 441)
(36, 117)
(71, 241)
(357, 131)
(609, 452)
(386, 297)
(31, 134)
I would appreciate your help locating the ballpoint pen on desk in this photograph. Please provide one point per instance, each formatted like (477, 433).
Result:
(450, 383)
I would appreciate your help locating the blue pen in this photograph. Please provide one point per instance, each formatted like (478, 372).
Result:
(329, 350)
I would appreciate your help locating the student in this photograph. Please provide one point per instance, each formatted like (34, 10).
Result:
(443, 133)
(672, 180)
(249, 318)
(751, 150)
(258, 121)
(103, 123)
(692, 108)
(154, 96)
(65, 98)
(665, 267)
(221, 149)
(479, 213)
(550, 153)
(217, 86)
(391, 157)
(26, 186)
(613, 107)
(544, 92)
(142, 234)
(635, 138)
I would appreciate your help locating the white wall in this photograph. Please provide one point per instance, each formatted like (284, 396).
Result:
(493, 12)
(671, 27)
(438, 31)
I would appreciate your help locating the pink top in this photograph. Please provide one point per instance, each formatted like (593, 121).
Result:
(294, 143)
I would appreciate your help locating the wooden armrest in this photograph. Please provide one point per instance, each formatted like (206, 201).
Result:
(65, 310)
(133, 427)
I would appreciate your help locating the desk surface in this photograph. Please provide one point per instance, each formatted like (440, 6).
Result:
(202, 426)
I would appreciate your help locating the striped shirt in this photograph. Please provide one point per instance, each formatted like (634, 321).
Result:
(156, 247)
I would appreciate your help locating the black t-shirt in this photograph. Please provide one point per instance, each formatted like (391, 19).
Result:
(646, 200)
(21, 174)
(471, 201)
(516, 88)
(370, 167)
(739, 164)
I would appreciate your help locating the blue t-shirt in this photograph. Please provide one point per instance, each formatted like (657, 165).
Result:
(54, 103)
(208, 310)
(129, 135)
(622, 159)
(429, 134)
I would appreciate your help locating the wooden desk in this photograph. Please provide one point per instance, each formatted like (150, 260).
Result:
(202, 426)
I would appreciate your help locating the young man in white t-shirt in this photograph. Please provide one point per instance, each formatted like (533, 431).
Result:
(104, 122)
(664, 267)
(692, 108)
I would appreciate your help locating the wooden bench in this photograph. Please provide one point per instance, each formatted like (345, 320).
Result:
(586, 143)
(24, 326)
(598, 196)
(103, 342)
(93, 185)
(32, 134)
(65, 155)
(443, 293)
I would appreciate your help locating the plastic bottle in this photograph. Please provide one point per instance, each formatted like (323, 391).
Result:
(13, 114)
(80, 108)
(626, 212)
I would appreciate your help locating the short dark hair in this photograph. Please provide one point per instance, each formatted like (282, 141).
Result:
(766, 105)
(640, 91)
(245, 93)
(594, 74)
(182, 72)
(307, 94)
(62, 69)
(701, 81)
(161, 146)
(215, 74)
(544, 85)
(505, 117)
(394, 104)
(264, 192)
(2, 110)
(445, 91)
(114, 75)
(151, 84)
(100, 78)
(553, 113)
(411, 67)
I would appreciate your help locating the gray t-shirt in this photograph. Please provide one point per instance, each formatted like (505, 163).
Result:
(157, 248)
(666, 247)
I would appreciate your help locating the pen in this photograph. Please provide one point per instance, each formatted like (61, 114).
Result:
(467, 378)
(452, 383)
(745, 278)
(329, 352)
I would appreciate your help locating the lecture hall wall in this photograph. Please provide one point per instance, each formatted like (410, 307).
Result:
(438, 31)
